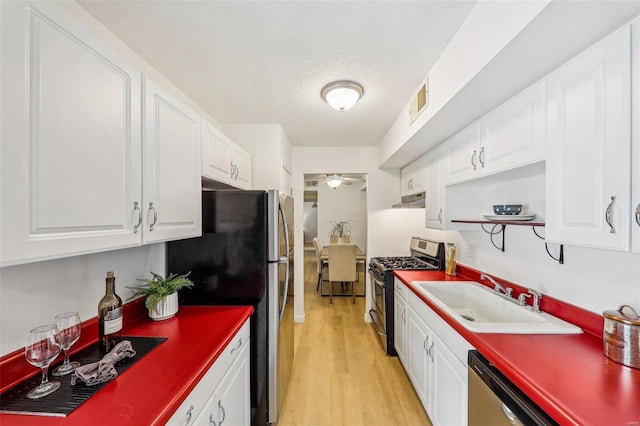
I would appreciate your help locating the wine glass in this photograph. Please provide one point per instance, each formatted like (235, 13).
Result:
(41, 349)
(69, 332)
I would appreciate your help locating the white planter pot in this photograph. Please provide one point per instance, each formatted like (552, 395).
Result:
(165, 309)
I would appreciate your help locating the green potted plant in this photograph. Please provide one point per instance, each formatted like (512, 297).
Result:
(161, 294)
(340, 232)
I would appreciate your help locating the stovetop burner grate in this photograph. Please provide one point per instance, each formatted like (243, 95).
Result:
(406, 263)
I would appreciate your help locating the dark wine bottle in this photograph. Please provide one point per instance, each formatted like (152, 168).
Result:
(109, 316)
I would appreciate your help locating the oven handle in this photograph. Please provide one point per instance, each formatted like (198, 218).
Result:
(375, 279)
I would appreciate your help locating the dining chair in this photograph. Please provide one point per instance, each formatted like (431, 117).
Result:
(342, 267)
(321, 266)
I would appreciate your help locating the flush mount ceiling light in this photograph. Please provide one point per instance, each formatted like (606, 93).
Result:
(342, 95)
(334, 181)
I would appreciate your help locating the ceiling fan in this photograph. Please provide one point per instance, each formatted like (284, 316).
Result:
(334, 180)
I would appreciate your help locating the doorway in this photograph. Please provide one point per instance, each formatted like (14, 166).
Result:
(325, 207)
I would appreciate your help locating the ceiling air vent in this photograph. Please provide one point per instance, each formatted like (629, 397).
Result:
(419, 102)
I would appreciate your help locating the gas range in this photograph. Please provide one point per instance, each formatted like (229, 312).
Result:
(397, 263)
(425, 255)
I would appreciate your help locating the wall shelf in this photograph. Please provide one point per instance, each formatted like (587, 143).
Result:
(499, 228)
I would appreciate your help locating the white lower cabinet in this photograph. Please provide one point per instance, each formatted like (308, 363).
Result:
(418, 361)
(449, 385)
(436, 362)
(222, 397)
(399, 320)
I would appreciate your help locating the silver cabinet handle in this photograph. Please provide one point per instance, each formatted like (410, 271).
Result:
(440, 216)
(474, 162)
(430, 351)
(481, 157)
(607, 215)
(231, 170)
(211, 421)
(425, 344)
(136, 227)
(638, 214)
(237, 346)
(224, 414)
(403, 316)
(188, 419)
(155, 216)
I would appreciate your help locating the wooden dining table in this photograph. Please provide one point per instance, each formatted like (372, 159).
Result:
(361, 266)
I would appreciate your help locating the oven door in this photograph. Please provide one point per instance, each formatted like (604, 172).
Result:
(378, 308)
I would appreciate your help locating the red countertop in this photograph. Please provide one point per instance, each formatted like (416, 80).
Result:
(568, 376)
(150, 391)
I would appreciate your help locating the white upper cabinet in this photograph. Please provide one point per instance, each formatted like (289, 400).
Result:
(223, 160)
(412, 178)
(434, 203)
(172, 167)
(217, 151)
(461, 154)
(588, 170)
(635, 150)
(241, 177)
(510, 136)
(71, 167)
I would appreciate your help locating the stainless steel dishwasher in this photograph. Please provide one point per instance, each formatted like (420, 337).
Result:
(495, 401)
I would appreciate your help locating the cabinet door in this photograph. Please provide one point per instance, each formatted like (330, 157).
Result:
(172, 167)
(418, 341)
(230, 403)
(242, 162)
(461, 153)
(412, 178)
(512, 135)
(589, 146)
(70, 133)
(217, 151)
(448, 386)
(635, 150)
(400, 326)
(435, 190)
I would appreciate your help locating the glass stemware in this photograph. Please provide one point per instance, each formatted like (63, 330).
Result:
(69, 332)
(41, 349)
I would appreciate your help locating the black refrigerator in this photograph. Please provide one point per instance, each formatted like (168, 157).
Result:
(245, 257)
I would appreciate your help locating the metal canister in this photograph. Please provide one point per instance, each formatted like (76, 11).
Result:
(622, 336)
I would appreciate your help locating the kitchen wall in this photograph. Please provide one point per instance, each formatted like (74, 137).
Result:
(388, 230)
(33, 294)
(593, 279)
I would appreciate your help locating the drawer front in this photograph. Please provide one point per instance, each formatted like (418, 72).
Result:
(196, 400)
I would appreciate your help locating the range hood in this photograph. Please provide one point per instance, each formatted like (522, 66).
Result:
(413, 201)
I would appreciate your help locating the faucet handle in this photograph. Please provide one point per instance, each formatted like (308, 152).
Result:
(522, 299)
(536, 299)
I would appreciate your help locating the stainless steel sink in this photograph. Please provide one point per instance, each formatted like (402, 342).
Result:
(481, 310)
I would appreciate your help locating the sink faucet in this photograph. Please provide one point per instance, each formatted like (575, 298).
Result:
(536, 300)
(498, 288)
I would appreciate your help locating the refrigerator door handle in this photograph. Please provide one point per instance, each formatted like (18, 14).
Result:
(284, 259)
(286, 290)
(286, 228)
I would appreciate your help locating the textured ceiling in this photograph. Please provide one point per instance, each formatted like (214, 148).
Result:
(266, 62)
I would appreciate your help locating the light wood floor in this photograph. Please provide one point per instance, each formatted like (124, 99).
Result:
(341, 375)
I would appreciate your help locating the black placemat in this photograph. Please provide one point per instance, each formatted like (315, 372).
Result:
(67, 398)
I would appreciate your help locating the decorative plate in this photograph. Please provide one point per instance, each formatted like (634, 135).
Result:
(510, 217)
